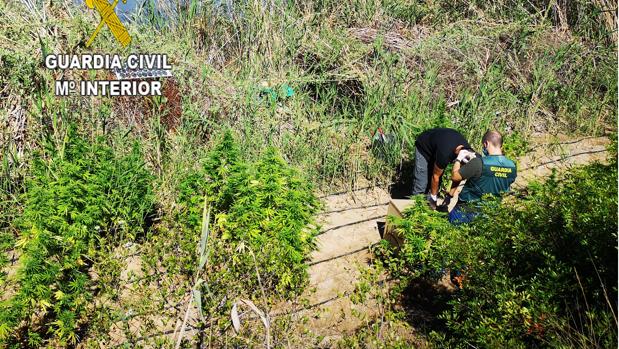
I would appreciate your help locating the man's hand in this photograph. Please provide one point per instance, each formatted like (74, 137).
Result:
(465, 156)
(444, 207)
(432, 201)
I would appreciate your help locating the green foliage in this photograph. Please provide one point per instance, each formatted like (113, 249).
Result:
(476, 65)
(539, 271)
(582, 17)
(514, 146)
(377, 336)
(263, 209)
(220, 162)
(80, 196)
(426, 232)
(404, 66)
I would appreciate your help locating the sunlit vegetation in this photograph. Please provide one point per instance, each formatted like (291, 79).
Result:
(120, 215)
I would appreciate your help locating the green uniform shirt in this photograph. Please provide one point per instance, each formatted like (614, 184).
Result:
(497, 174)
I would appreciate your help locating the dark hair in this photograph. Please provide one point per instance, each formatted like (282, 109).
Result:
(493, 137)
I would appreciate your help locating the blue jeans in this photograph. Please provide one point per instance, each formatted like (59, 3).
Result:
(461, 214)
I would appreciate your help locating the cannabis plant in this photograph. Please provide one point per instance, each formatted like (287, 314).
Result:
(263, 218)
(79, 198)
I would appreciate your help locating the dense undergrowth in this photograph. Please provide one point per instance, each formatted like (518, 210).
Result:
(264, 206)
(539, 271)
(521, 67)
(104, 229)
(80, 199)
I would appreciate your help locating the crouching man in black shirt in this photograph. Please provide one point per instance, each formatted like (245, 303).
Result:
(434, 150)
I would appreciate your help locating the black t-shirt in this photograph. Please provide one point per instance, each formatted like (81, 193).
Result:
(438, 145)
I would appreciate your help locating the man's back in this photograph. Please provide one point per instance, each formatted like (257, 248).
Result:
(438, 145)
(497, 174)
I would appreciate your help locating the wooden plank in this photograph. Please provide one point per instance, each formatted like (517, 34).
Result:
(395, 209)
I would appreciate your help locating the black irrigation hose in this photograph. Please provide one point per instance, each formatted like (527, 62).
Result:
(375, 217)
(375, 205)
(350, 191)
(349, 224)
(353, 208)
(567, 142)
(328, 300)
(563, 158)
(274, 315)
(158, 334)
(343, 255)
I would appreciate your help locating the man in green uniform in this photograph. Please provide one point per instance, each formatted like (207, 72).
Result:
(491, 174)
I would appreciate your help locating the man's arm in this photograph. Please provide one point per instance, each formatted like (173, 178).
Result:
(456, 178)
(436, 176)
(461, 171)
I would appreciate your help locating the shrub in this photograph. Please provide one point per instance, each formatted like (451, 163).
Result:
(263, 217)
(539, 272)
(78, 197)
(425, 232)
